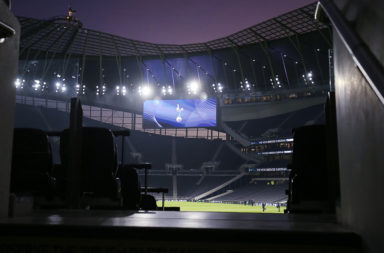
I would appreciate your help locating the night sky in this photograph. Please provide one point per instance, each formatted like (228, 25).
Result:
(163, 21)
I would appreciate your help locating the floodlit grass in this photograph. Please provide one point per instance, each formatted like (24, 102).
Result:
(219, 207)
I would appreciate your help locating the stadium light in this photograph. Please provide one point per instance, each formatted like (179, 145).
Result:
(36, 85)
(220, 88)
(193, 87)
(123, 90)
(166, 90)
(57, 86)
(77, 86)
(44, 86)
(170, 90)
(308, 78)
(117, 90)
(247, 85)
(18, 83)
(145, 91)
(278, 83)
(63, 88)
(104, 89)
(97, 90)
(163, 91)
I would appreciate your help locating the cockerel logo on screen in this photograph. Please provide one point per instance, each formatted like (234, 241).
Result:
(179, 110)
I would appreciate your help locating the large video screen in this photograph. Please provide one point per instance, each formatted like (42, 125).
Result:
(179, 113)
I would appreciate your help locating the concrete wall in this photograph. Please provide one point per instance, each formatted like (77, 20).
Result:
(360, 120)
(9, 51)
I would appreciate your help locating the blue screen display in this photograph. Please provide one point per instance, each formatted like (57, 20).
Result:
(179, 113)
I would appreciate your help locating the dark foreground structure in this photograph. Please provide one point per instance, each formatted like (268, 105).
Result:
(354, 224)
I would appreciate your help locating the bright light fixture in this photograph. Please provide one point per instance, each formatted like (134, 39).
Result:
(193, 87)
(170, 90)
(17, 83)
(36, 85)
(123, 90)
(145, 91)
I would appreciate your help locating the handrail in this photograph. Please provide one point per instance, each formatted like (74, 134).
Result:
(367, 63)
(6, 31)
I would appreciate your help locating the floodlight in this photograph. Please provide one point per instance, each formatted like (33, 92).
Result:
(103, 89)
(97, 90)
(146, 91)
(163, 91)
(193, 87)
(170, 90)
(17, 83)
(220, 87)
(36, 84)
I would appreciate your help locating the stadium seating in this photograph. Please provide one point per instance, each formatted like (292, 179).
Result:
(228, 159)
(257, 191)
(158, 181)
(155, 149)
(191, 154)
(209, 182)
(280, 125)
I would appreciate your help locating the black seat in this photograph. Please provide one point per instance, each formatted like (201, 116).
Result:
(31, 163)
(99, 163)
(130, 187)
(308, 189)
(148, 202)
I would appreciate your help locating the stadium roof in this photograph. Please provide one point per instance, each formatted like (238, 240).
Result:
(61, 36)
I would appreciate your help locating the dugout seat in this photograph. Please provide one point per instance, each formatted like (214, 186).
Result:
(100, 187)
(31, 164)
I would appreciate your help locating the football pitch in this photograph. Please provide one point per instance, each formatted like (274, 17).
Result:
(219, 207)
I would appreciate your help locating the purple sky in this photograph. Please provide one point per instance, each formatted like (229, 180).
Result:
(163, 21)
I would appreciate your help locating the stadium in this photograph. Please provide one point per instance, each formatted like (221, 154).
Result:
(230, 135)
(243, 72)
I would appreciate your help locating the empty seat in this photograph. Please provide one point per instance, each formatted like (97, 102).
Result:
(31, 163)
(98, 163)
(130, 187)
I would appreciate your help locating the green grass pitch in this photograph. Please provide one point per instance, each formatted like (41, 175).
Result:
(219, 207)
